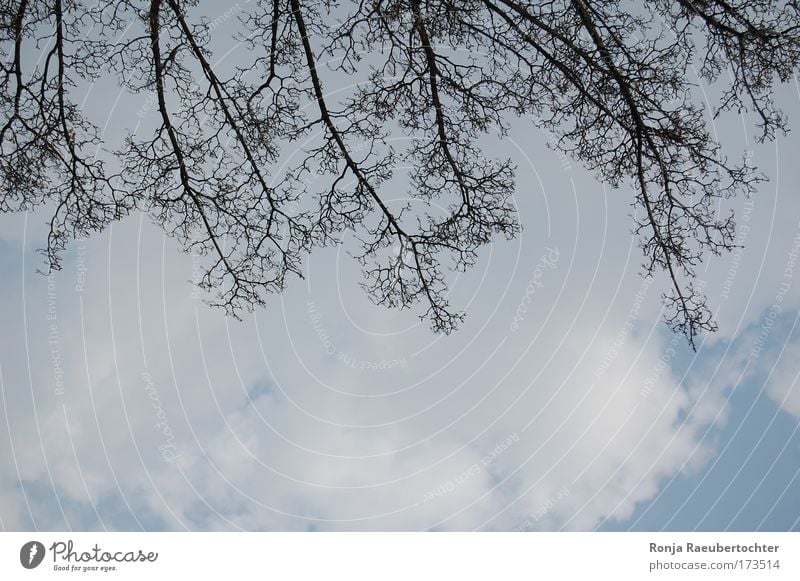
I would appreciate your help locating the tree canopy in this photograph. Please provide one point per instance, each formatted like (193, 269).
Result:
(609, 80)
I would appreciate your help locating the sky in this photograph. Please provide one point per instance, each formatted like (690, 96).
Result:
(562, 403)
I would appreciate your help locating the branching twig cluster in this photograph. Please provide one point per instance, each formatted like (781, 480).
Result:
(608, 79)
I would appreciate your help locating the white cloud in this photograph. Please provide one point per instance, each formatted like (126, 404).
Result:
(200, 422)
(271, 431)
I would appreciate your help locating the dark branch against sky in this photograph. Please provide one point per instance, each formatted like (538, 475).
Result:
(609, 80)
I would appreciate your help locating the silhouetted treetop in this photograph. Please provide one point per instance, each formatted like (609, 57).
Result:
(611, 81)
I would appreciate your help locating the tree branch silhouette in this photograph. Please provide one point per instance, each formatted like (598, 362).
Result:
(608, 80)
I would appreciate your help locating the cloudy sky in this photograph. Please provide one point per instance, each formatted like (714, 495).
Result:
(562, 403)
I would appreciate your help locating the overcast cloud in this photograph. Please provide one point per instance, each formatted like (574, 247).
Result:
(563, 402)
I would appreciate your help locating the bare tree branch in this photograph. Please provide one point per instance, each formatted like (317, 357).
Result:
(607, 79)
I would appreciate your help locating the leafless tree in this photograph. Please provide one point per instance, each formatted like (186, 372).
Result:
(608, 79)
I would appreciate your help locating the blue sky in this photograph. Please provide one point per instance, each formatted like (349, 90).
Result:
(752, 482)
(325, 412)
